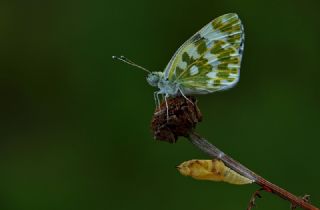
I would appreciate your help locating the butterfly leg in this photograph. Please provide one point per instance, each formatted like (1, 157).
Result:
(185, 97)
(156, 99)
(165, 99)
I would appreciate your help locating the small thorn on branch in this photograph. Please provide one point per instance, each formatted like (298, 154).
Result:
(305, 198)
(255, 195)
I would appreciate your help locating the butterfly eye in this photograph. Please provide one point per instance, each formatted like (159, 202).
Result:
(153, 79)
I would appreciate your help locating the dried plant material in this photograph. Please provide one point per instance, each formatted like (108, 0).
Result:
(183, 116)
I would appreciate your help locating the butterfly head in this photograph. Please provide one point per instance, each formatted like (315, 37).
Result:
(154, 78)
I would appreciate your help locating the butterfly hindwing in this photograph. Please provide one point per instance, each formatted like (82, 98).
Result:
(210, 60)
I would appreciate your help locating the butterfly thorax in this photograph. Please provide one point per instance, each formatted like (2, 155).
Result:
(167, 87)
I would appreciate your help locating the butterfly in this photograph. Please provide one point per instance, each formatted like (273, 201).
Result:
(207, 62)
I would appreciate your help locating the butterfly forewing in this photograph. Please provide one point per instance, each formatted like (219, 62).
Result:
(210, 60)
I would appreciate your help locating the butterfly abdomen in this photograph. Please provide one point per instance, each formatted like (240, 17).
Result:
(168, 87)
(213, 170)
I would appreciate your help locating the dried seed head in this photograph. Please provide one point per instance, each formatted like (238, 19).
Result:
(183, 118)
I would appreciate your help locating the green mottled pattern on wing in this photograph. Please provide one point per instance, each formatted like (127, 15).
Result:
(210, 60)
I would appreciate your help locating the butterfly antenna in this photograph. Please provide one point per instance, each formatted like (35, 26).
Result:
(127, 61)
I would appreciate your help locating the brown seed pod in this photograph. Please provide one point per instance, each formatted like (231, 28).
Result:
(182, 119)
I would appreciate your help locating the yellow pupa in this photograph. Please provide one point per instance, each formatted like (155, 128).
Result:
(213, 170)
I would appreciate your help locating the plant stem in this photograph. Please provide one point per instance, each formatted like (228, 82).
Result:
(214, 152)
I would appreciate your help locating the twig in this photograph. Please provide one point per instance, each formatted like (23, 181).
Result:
(255, 195)
(182, 120)
(214, 152)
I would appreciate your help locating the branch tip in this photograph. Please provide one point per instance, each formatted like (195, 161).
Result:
(255, 195)
(183, 116)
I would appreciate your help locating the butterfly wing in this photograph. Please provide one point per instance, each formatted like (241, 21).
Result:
(210, 60)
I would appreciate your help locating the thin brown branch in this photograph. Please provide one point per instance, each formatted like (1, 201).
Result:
(182, 119)
(306, 198)
(254, 196)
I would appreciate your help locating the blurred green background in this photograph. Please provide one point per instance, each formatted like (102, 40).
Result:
(75, 125)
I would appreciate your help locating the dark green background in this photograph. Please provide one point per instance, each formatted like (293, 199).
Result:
(75, 125)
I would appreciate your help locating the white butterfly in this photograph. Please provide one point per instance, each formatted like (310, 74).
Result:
(207, 62)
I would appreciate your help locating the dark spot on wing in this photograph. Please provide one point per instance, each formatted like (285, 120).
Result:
(196, 37)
